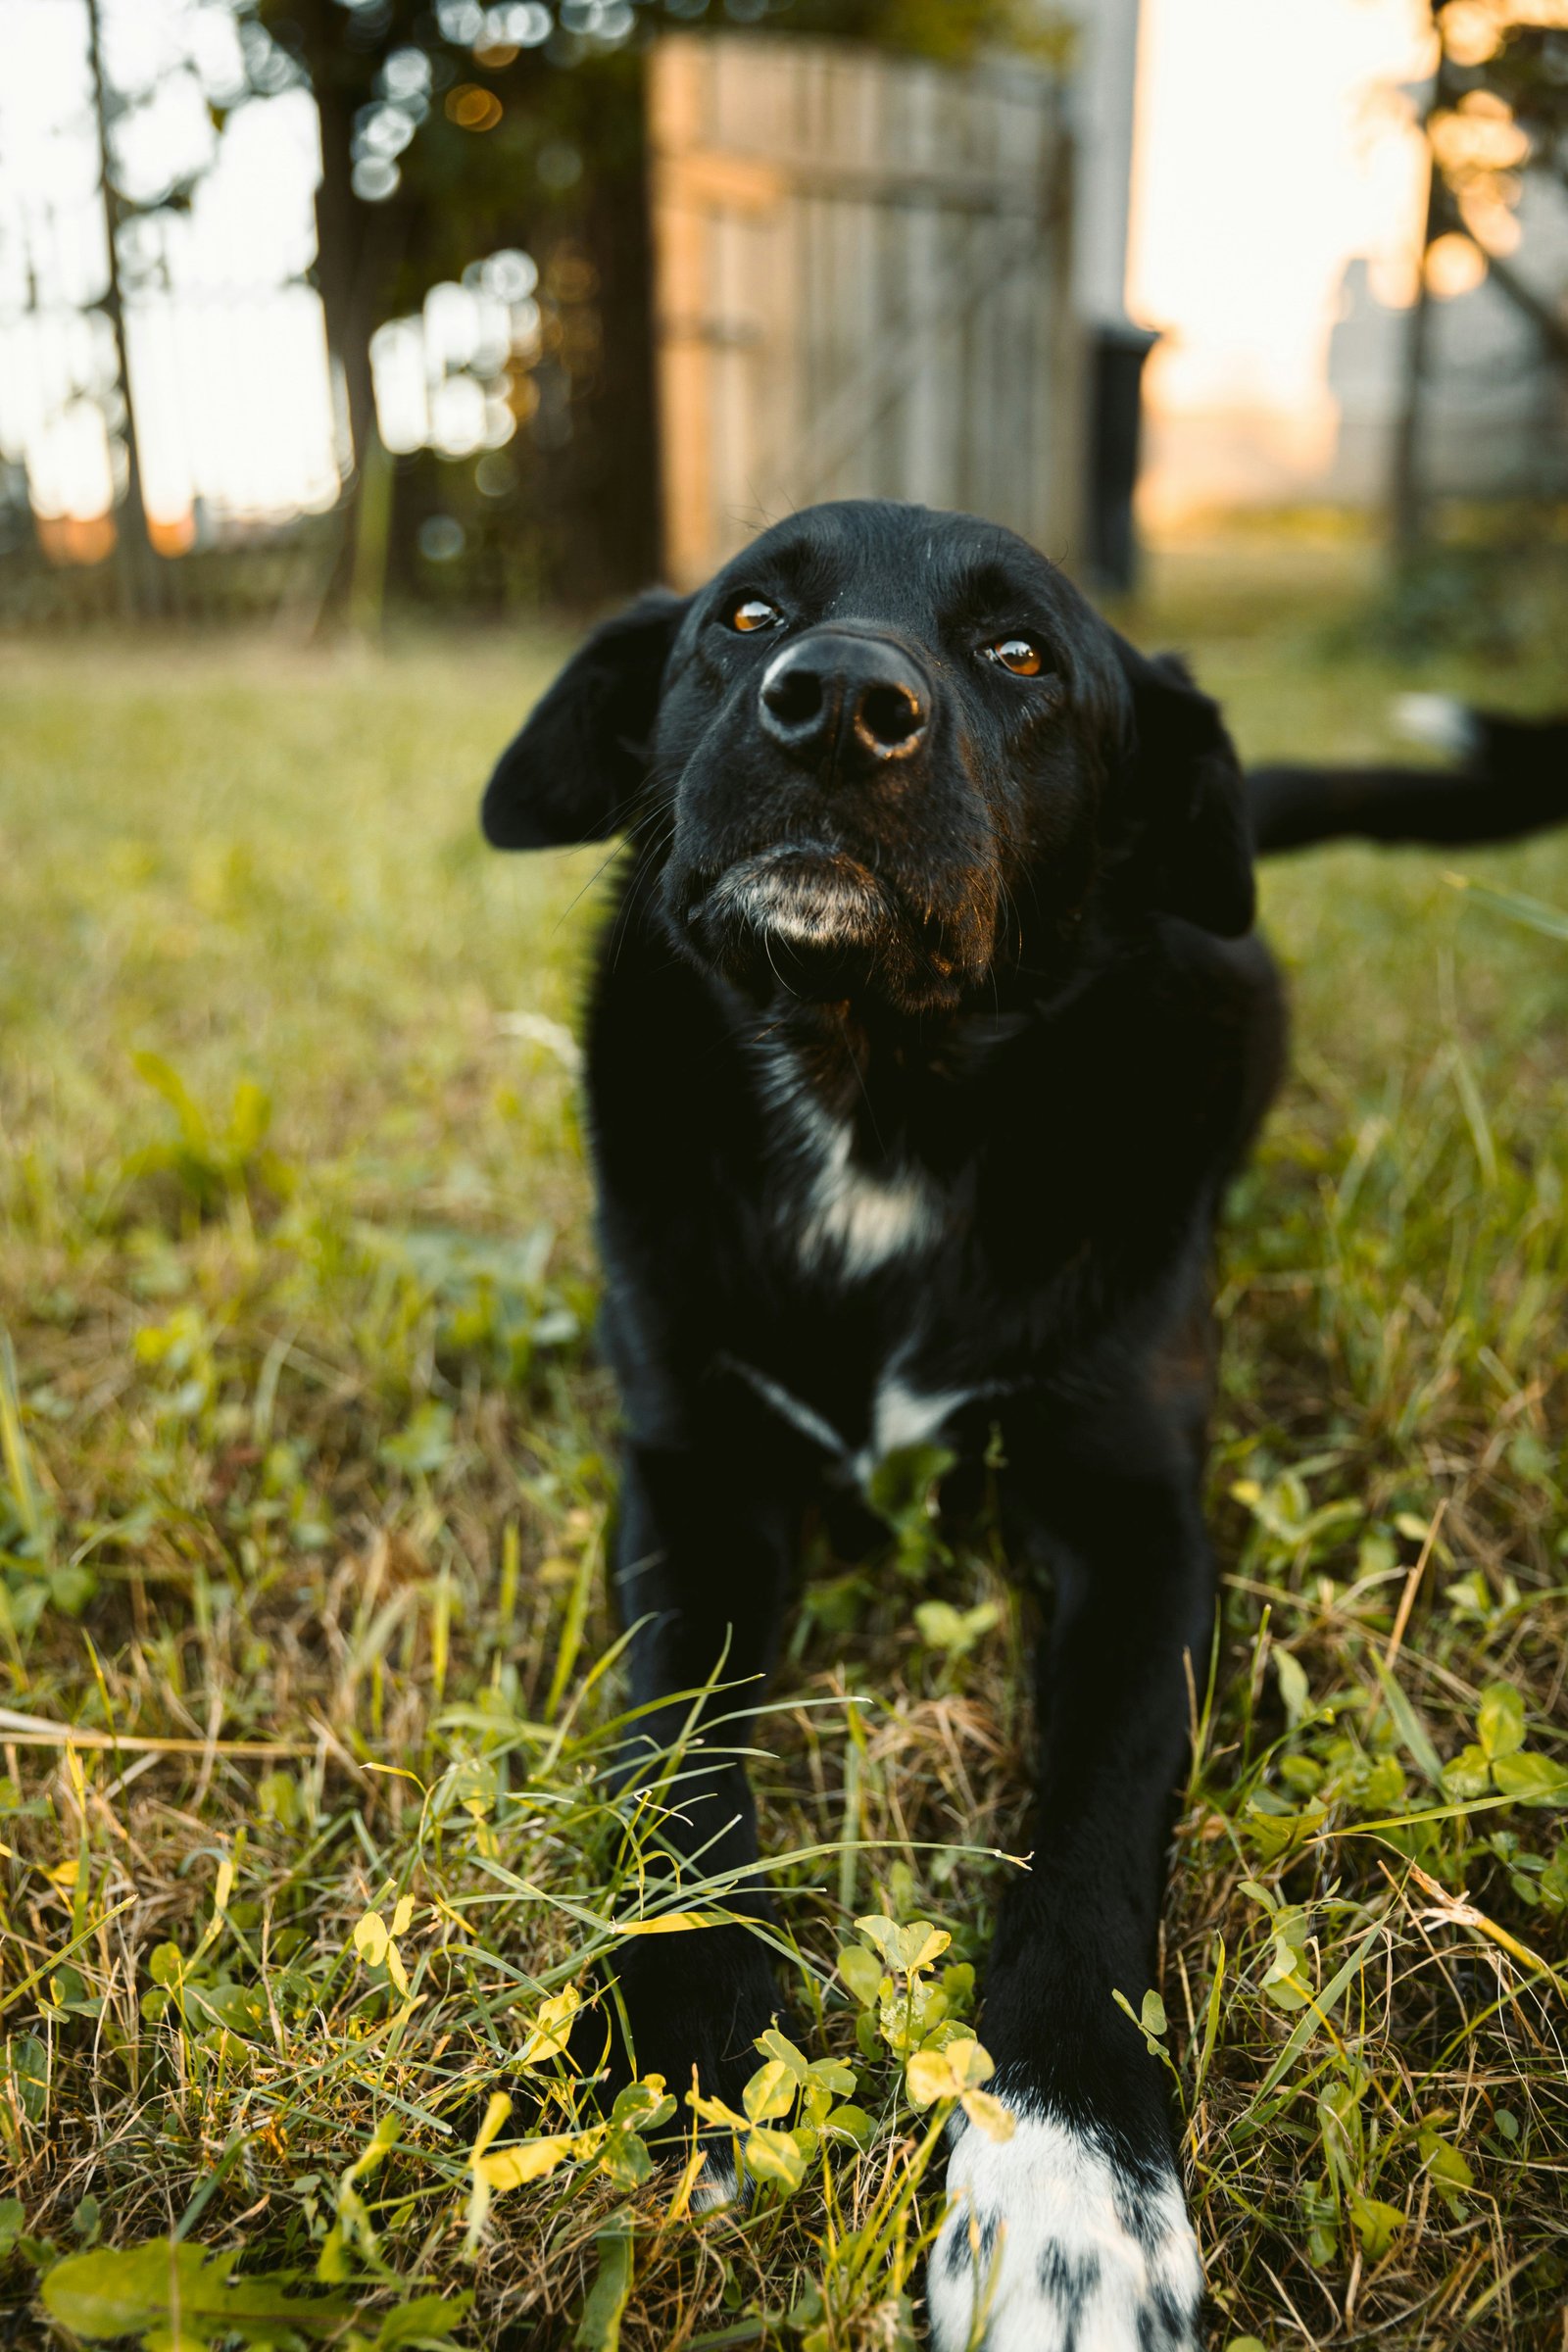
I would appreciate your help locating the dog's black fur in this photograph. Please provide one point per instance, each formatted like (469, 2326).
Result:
(928, 1029)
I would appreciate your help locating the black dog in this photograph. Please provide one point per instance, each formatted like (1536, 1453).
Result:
(928, 1029)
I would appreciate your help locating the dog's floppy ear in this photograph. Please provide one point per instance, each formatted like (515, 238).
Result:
(1186, 797)
(573, 772)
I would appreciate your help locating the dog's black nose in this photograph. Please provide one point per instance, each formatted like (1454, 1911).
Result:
(857, 699)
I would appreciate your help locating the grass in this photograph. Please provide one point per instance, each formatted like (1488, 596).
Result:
(304, 1485)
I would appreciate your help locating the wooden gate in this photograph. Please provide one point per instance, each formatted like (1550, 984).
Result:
(862, 289)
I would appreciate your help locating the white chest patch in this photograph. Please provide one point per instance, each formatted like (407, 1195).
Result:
(835, 1210)
(1062, 2247)
(902, 1416)
(863, 1220)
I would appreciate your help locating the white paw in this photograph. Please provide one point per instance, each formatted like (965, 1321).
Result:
(1058, 2245)
(718, 2188)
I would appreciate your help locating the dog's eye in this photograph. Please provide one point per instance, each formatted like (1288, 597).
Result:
(752, 613)
(1020, 655)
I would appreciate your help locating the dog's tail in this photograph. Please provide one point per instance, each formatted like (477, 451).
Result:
(1512, 780)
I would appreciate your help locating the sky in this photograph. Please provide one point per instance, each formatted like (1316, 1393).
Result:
(1266, 158)
(1271, 147)
(227, 353)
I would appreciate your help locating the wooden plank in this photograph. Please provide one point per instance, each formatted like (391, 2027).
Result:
(863, 283)
(862, 184)
(680, 304)
(861, 400)
(718, 182)
(1064, 419)
(921, 260)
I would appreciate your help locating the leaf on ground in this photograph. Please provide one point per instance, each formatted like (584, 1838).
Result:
(1536, 1780)
(777, 2157)
(551, 2028)
(370, 1938)
(943, 1627)
(1500, 1723)
(863, 1973)
(852, 2122)
(123, 2290)
(774, 2044)
(770, 2093)
(599, 2328)
(426, 2319)
(1444, 2162)
(523, 2160)
(907, 1950)
(839, 2080)
(497, 2109)
(625, 2161)
(1374, 2225)
(1469, 1774)
(1296, 1693)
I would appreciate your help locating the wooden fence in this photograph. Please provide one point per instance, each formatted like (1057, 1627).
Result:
(864, 287)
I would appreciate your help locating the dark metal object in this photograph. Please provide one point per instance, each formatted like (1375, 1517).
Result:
(1115, 419)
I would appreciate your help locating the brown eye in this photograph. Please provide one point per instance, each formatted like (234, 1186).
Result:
(1017, 654)
(755, 612)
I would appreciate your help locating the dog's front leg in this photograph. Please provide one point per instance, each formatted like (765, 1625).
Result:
(705, 1551)
(1076, 2226)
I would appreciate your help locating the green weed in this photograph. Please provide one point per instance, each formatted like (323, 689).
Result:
(314, 1847)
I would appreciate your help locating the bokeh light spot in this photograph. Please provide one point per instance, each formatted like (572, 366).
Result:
(1454, 265)
(560, 166)
(472, 108)
(442, 539)
(375, 179)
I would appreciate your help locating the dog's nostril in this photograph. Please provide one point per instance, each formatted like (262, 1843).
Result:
(794, 697)
(889, 716)
(850, 704)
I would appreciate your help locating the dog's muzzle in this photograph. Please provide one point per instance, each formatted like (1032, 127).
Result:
(809, 922)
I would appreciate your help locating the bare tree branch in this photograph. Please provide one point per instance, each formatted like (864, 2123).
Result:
(1548, 323)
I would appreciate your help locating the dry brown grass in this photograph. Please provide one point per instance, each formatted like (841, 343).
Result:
(303, 1513)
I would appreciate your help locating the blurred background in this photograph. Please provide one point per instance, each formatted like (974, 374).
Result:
(331, 308)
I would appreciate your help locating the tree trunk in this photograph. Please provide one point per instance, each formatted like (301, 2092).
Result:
(141, 585)
(357, 252)
(342, 237)
(1407, 501)
(624, 491)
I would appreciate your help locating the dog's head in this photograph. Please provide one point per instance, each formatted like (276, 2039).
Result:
(885, 753)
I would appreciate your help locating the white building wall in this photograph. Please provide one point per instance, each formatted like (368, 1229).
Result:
(1104, 92)
(1494, 420)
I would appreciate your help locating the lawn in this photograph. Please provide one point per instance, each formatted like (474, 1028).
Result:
(307, 1468)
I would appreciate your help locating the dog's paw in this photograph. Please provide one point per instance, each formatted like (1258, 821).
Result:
(720, 2186)
(1063, 2247)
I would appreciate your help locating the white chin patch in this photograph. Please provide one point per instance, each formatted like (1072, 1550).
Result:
(813, 911)
(1056, 2246)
